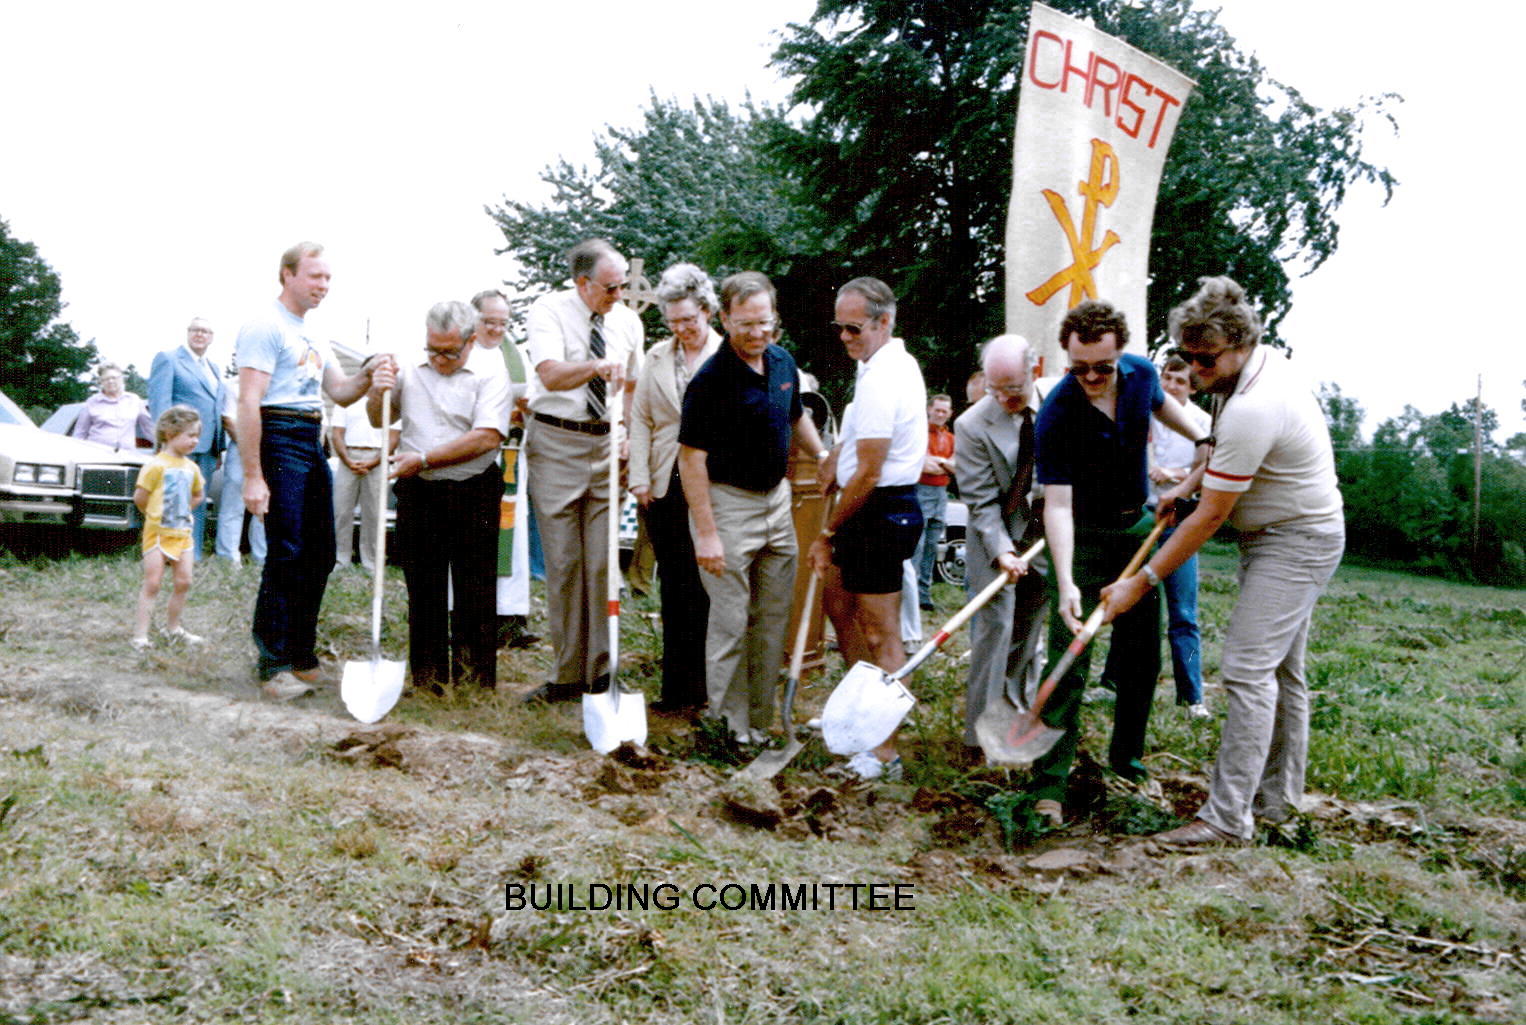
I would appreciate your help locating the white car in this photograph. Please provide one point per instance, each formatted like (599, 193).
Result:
(48, 478)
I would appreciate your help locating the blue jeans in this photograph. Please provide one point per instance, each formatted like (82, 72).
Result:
(1182, 630)
(299, 538)
(207, 462)
(933, 499)
(230, 514)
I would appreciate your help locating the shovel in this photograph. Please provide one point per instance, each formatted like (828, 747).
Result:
(870, 703)
(1029, 738)
(611, 717)
(768, 764)
(370, 689)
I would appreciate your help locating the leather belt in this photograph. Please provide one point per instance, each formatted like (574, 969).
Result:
(293, 413)
(581, 426)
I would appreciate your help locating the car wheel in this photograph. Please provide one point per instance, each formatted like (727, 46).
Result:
(950, 565)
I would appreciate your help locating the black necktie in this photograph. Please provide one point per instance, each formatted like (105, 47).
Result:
(1022, 482)
(596, 383)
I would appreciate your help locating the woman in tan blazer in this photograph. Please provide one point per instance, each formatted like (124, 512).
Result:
(689, 304)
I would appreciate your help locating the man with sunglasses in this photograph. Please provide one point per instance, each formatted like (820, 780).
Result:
(585, 353)
(877, 521)
(453, 399)
(1092, 434)
(1272, 475)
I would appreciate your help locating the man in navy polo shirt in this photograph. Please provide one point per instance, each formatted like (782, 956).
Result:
(734, 441)
(1092, 434)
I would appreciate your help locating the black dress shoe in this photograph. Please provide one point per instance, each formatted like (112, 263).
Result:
(553, 693)
(512, 633)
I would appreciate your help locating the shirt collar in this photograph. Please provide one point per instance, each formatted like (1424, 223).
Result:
(894, 345)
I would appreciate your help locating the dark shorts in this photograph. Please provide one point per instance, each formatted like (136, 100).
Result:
(870, 548)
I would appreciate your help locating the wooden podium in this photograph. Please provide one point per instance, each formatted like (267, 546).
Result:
(808, 506)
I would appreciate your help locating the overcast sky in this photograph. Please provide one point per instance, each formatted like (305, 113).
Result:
(161, 155)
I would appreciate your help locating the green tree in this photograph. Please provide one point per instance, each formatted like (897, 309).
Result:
(907, 156)
(692, 183)
(41, 360)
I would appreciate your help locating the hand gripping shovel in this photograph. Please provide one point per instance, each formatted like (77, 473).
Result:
(370, 689)
(1029, 738)
(768, 764)
(870, 703)
(611, 717)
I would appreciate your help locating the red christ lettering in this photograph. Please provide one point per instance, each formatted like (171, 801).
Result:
(1130, 101)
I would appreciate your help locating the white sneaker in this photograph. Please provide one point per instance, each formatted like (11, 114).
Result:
(141, 644)
(1198, 711)
(180, 633)
(866, 765)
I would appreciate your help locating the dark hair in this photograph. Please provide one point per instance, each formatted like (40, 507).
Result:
(742, 286)
(1092, 319)
(1217, 308)
(940, 397)
(1173, 364)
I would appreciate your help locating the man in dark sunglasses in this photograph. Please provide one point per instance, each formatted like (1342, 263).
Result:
(1092, 434)
(1271, 475)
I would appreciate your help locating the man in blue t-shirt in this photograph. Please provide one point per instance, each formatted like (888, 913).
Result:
(283, 371)
(739, 413)
(1092, 434)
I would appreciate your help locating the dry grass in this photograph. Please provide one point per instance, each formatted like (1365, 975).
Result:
(171, 848)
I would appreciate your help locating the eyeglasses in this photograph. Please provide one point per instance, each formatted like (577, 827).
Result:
(748, 326)
(1101, 369)
(1014, 391)
(446, 354)
(614, 289)
(1206, 360)
(854, 330)
(493, 321)
(677, 322)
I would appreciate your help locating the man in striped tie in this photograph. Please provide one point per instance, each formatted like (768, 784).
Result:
(585, 351)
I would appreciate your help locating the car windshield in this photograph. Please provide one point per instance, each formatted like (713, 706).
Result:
(10, 413)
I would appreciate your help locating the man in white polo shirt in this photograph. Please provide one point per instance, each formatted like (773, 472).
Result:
(877, 521)
(453, 400)
(1271, 474)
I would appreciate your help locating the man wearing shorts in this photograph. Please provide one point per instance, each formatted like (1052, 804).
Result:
(876, 523)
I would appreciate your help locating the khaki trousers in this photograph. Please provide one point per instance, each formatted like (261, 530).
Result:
(749, 603)
(569, 488)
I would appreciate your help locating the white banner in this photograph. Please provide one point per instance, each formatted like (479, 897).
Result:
(1094, 120)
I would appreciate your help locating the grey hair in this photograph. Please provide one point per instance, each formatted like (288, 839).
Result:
(1007, 345)
(583, 258)
(687, 281)
(879, 300)
(106, 368)
(1219, 307)
(452, 318)
(484, 295)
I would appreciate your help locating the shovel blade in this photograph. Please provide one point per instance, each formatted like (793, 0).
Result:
(612, 717)
(1019, 742)
(864, 710)
(370, 689)
(768, 764)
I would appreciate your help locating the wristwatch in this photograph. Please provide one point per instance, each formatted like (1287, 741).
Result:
(1149, 575)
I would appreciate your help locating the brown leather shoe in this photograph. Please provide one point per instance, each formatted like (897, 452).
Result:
(313, 675)
(1197, 833)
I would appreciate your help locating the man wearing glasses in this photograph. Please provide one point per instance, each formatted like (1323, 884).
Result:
(740, 411)
(453, 401)
(1092, 435)
(877, 521)
(1272, 474)
(585, 352)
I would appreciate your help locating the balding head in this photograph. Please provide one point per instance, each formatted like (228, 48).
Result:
(1008, 364)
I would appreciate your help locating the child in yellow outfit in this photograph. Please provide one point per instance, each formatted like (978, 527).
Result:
(169, 487)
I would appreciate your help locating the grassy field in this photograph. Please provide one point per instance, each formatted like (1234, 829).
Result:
(174, 849)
